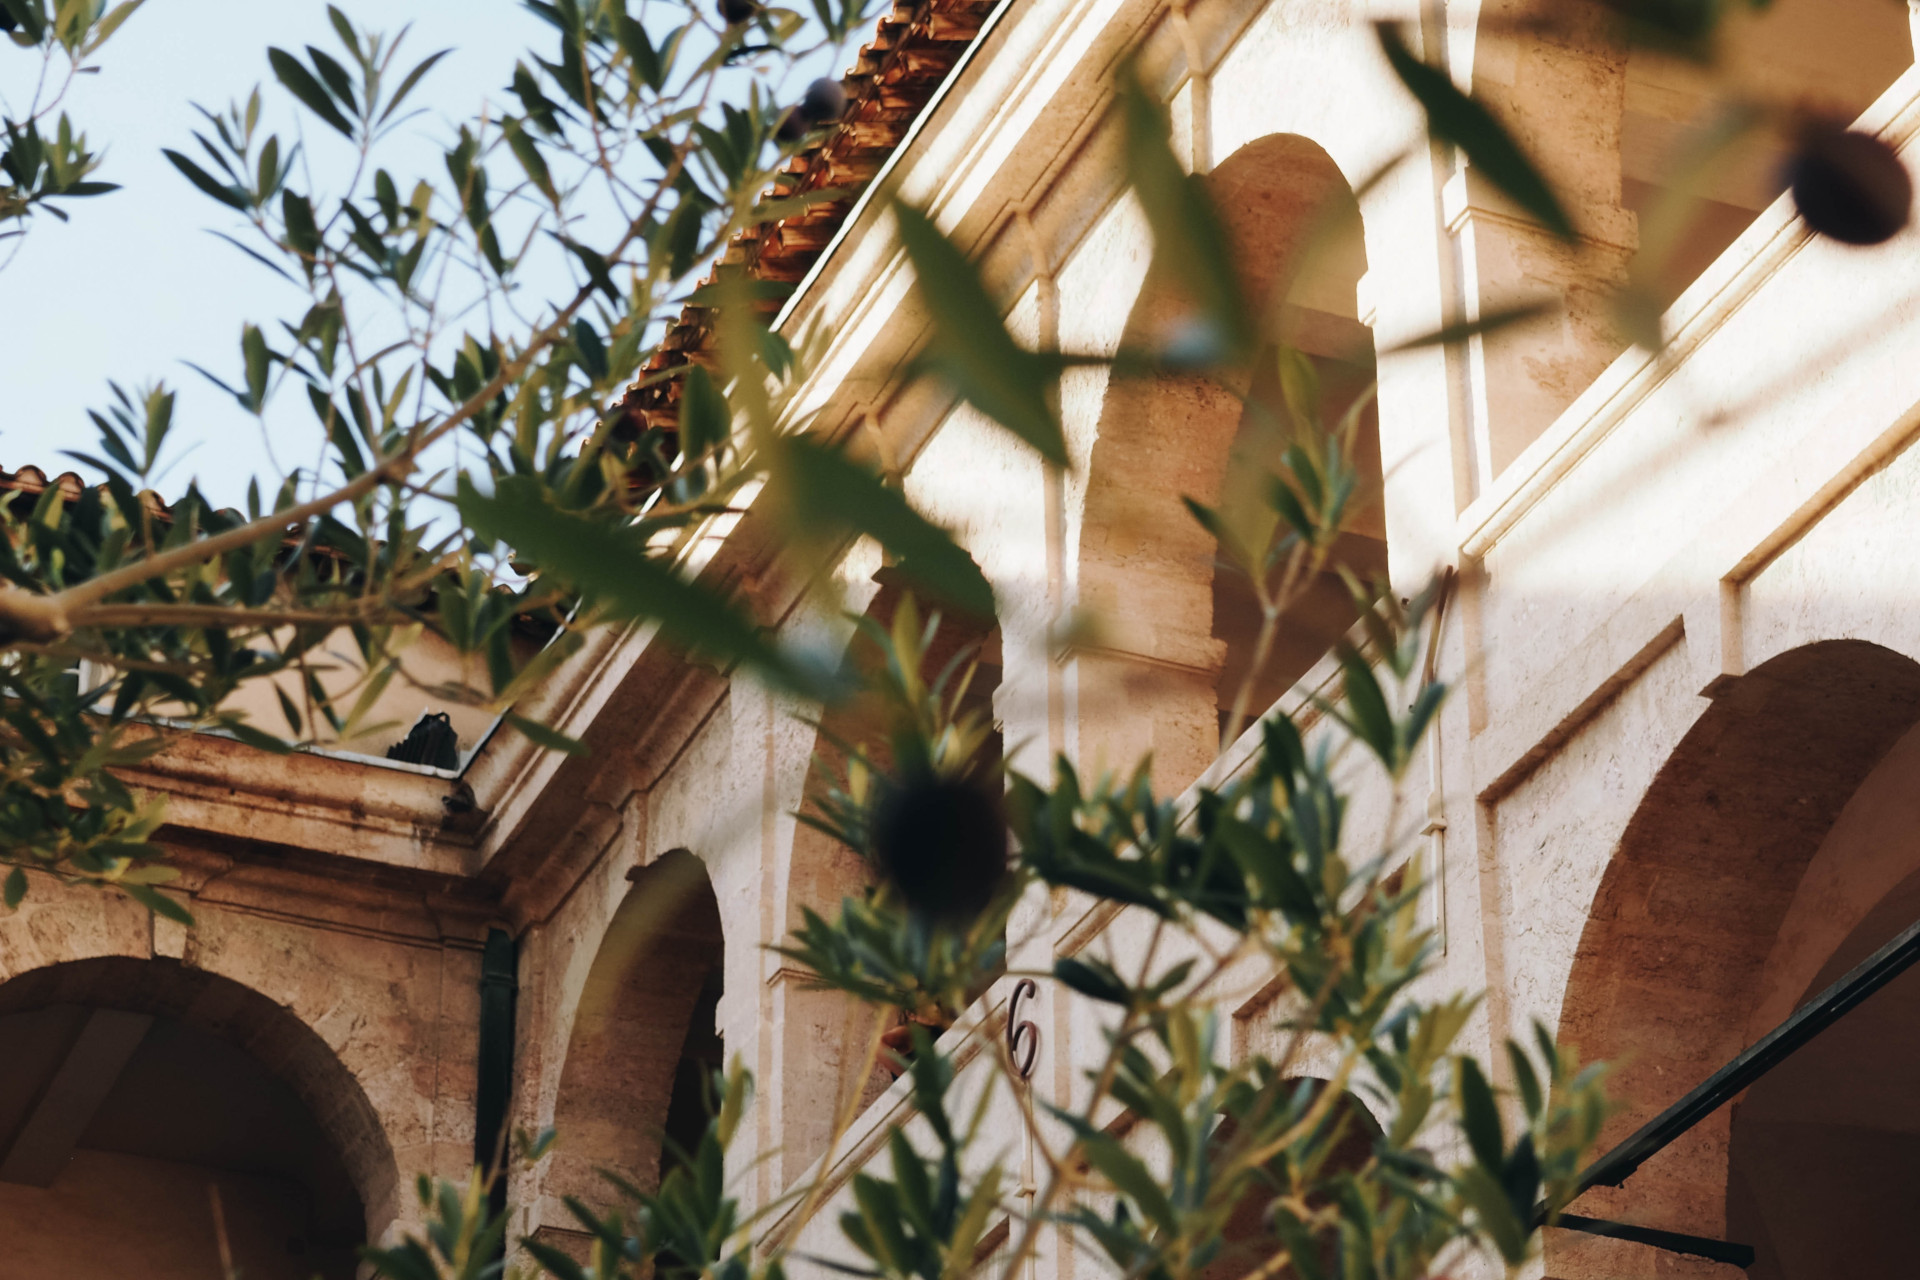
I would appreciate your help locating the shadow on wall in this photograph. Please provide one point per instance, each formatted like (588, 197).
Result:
(132, 1090)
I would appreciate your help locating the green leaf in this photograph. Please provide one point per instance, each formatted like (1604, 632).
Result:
(880, 1209)
(31, 19)
(592, 351)
(1366, 707)
(1479, 1115)
(971, 348)
(1484, 1192)
(343, 27)
(16, 888)
(407, 85)
(1521, 1178)
(611, 564)
(335, 76)
(229, 196)
(821, 487)
(1190, 243)
(295, 723)
(639, 49)
(1132, 1178)
(1094, 980)
(1233, 548)
(302, 233)
(268, 167)
(915, 1189)
(301, 84)
(553, 1260)
(1489, 322)
(159, 421)
(596, 268)
(705, 418)
(527, 152)
(110, 24)
(158, 903)
(1525, 1079)
(542, 735)
(257, 738)
(253, 349)
(1454, 117)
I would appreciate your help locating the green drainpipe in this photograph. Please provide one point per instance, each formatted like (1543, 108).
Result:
(499, 982)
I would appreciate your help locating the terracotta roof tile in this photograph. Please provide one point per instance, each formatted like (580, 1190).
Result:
(913, 49)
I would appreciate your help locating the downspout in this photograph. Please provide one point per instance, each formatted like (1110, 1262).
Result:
(493, 1091)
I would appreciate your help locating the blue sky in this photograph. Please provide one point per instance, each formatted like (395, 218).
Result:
(135, 287)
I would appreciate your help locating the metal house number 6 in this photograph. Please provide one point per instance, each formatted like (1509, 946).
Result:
(1023, 1037)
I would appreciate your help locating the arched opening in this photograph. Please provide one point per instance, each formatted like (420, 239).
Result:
(1179, 629)
(1247, 1240)
(1832, 56)
(644, 1040)
(1717, 917)
(134, 1093)
(825, 1034)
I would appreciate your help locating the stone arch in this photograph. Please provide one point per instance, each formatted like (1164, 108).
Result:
(644, 1037)
(1671, 969)
(201, 1073)
(1176, 632)
(824, 1035)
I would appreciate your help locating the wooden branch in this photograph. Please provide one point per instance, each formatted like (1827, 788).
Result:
(212, 615)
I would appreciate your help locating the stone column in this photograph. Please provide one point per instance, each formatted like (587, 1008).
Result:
(1521, 379)
(1561, 95)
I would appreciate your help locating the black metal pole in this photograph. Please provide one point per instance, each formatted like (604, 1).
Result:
(1808, 1021)
(1740, 1255)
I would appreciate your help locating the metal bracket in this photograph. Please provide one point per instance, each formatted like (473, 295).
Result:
(1806, 1022)
(1740, 1255)
(1720, 1088)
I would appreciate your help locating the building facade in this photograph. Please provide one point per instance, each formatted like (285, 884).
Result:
(1672, 798)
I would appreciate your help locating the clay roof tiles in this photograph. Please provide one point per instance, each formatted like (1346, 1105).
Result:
(913, 49)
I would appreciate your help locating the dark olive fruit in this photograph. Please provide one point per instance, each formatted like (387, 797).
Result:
(793, 126)
(943, 845)
(825, 101)
(735, 12)
(1850, 186)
